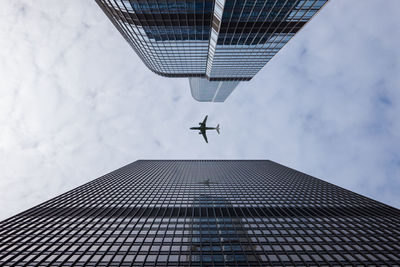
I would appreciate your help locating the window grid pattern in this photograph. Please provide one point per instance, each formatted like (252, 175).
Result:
(203, 213)
(251, 32)
(171, 37)
(221, 40)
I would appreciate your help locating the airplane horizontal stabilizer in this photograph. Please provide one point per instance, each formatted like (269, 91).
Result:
(217, 128)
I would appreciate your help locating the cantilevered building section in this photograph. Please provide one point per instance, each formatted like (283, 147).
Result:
(204, 213)
(211, 91)
(215, 40)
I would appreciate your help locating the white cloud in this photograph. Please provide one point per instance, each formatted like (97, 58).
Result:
(76, 102)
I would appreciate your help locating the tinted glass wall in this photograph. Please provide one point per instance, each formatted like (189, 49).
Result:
(199, 213)
(221, 40)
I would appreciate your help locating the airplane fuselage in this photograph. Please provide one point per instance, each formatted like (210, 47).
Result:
(203, 128)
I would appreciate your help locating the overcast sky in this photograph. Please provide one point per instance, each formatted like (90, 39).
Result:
(76, 102)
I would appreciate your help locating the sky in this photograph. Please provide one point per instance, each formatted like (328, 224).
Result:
(76, 102)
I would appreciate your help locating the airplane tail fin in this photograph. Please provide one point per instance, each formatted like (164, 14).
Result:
(217, 128)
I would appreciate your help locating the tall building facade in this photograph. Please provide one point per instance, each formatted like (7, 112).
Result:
(204, 213)
(213, 40)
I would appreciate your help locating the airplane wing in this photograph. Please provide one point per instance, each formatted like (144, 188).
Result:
(204, 135)
(204, 121)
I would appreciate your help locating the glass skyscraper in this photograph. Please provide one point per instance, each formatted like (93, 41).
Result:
(221, 40)
(204, 213)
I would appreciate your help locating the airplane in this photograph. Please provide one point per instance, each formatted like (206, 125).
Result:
(203, 128)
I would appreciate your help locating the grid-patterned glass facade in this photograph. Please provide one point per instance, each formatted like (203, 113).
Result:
(219, 40)
(246, 34)
(204, 213)
(171, 37)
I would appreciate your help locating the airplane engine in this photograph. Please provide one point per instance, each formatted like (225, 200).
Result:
(199, 132)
